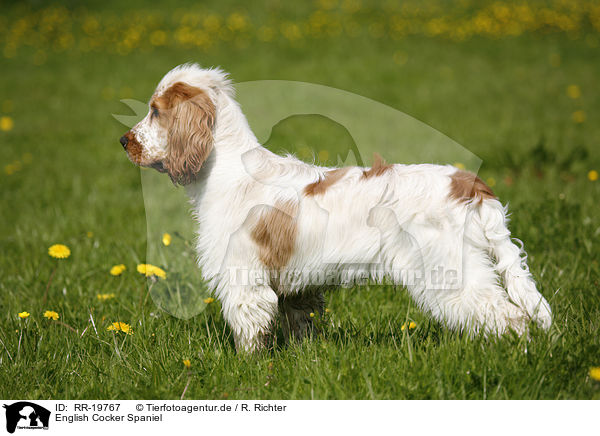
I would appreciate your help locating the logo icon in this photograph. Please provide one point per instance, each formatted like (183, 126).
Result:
(26, 415)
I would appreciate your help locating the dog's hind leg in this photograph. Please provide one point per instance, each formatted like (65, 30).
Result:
(295, 311)
(478, 303)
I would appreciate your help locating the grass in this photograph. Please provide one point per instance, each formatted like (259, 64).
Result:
(504, 99)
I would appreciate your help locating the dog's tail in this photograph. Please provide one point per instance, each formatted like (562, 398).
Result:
(511, 262)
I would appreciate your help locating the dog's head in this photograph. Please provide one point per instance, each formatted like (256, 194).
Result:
(176, 136)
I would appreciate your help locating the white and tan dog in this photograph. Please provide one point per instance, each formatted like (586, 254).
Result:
(258, 212)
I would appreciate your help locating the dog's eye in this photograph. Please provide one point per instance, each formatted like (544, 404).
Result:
(154, 112)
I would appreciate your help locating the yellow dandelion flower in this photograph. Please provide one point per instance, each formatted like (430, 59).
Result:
(104, 297)
(327, 310)
(90, 234)
(6, 124)
(459, 165)
(151, 270)
(573, 91)
(208, 300)
(312, 315)
(120, 327)
(403, 327)
(491, 182)
(166, 239)
(59, 251)
(24, 315)
(159, 272)
(578, 116)
(187, 363)
(412, 325)
(50, 314)
(595, 373)
(117, 270)
(593, 175)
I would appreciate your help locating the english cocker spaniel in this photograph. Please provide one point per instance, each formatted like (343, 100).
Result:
(274, 232)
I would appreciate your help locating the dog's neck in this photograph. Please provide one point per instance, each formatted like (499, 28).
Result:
(232, 132)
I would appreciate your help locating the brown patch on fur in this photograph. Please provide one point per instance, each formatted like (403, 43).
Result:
(191, 116)
(378, 168)
(275, 234)
(465, 186)
(330, 178)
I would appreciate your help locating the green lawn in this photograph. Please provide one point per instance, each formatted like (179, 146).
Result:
(65, 175)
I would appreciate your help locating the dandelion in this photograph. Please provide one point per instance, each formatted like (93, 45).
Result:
(593, 175)
(578, 116)
(90, 234)
(573, 91)
(120, 327)
(151, 270)
(595, 373)
(411, 325)
(117, 270)
(24, 315)
(208, 300)
(312, 315)
(327, 310)
(50, 314)
(6, 124)
(104, 297)
(187, 363)
(459, 165)
(59, 251)
(166, 239)
(491, 182)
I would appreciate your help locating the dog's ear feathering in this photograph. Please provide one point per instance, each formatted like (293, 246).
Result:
(190, 134)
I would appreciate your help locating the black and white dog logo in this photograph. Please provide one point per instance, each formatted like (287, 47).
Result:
(26, 415)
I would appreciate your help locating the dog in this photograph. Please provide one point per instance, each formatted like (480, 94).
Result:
(274, 217)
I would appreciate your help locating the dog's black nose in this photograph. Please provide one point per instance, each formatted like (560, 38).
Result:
(123, 141)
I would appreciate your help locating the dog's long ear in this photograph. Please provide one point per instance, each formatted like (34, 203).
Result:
(190, 137)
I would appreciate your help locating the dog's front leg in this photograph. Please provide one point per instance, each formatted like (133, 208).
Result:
(250, 312)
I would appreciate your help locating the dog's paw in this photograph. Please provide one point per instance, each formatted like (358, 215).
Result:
(543, 315)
